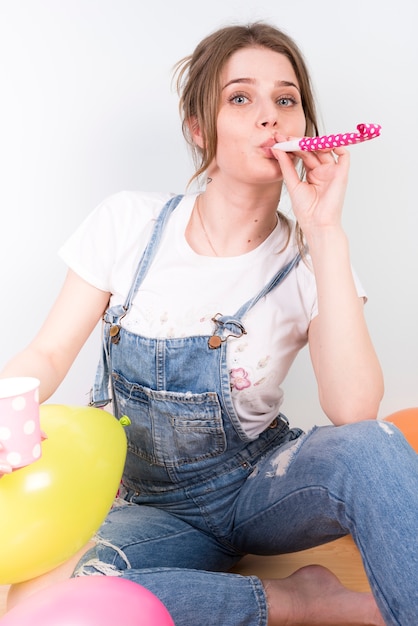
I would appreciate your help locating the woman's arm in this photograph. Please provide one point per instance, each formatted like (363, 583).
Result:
(349, 377)
(71, 320)
(350, 382)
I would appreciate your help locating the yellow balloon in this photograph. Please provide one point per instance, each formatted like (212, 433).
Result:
(51, 508)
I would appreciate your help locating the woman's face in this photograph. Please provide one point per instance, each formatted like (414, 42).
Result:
(260, 105)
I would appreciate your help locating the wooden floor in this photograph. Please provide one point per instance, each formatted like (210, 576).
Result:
(341, 556)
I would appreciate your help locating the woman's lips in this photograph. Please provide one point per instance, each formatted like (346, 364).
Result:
(266, 148)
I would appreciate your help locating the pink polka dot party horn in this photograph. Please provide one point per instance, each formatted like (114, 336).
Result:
(328, 142)
(20, 431)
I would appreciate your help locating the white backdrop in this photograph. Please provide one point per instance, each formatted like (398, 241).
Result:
(87, 109)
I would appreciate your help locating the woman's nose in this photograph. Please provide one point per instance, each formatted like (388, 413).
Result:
(268, 117)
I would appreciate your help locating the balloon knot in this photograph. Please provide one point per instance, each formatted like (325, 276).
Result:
(125, 421)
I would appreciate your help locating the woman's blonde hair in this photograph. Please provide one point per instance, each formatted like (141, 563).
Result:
(198, 83)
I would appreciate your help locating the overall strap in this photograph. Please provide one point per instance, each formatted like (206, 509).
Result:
(114, 314)
(231, 325)
(102, 393)
(276, 280)
(151, 248)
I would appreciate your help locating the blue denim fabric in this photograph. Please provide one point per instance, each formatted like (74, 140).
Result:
(198, 494)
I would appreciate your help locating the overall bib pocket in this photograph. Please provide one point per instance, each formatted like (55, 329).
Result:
(170, 428)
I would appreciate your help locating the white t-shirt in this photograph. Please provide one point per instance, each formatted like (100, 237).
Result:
(183, 290)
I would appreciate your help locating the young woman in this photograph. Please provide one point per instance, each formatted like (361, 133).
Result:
(206, 300)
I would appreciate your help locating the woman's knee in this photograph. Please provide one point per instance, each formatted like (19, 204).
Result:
(358, 448)
(103, 558)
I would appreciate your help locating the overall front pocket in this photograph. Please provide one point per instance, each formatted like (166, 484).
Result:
(170, 428)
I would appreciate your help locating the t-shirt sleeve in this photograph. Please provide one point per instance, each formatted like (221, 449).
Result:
(114, 234)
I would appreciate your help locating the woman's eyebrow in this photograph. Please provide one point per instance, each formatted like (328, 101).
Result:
(252, 81)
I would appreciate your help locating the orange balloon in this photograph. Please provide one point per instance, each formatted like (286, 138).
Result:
(407, 421)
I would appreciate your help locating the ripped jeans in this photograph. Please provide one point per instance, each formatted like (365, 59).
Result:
(360, 479)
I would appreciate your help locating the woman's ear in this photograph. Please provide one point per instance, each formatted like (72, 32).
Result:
(195, 132)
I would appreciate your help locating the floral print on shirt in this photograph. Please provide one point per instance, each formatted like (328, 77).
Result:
(239, 379)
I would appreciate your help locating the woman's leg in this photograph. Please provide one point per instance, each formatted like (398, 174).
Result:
(360, 479)
(170, 558)
(135, 537)
(311, 596)
(142, 544)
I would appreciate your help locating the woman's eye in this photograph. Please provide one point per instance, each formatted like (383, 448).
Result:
(286, 101)
(239, 99)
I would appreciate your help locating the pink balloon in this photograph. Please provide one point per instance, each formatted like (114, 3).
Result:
(90, 601)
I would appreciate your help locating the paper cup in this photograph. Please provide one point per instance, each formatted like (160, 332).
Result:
(20, 432)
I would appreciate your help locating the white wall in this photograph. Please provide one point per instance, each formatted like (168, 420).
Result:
(86, 109)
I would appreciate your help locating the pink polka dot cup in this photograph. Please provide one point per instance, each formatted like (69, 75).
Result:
(20, 431)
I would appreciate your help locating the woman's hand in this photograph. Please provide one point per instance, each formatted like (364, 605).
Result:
(318, 201)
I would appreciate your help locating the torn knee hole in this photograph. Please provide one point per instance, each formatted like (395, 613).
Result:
(386, 427)
(283, 458)
(99, 561)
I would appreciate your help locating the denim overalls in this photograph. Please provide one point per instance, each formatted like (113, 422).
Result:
(176, 392)
(198, 494)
